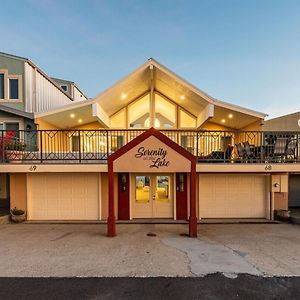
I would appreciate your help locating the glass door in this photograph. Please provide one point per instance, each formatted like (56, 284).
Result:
(153, 196)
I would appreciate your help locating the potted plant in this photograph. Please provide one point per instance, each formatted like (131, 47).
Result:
(17, 215)
(14, 151)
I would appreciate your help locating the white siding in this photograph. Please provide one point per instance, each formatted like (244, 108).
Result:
(77, 95)
(41, 94)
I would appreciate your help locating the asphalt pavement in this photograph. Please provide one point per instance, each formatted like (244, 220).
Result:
(214, 286)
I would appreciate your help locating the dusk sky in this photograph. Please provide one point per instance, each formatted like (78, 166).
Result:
(243, 52)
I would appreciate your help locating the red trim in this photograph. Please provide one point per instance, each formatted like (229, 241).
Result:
(111, 221)
(193, 218)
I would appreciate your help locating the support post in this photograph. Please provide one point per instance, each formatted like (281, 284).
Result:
(193, 217)
(111, 220)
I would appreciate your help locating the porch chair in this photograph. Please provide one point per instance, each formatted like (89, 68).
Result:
(240, 152)
(280, 149)
(248, 153)
(290, 152)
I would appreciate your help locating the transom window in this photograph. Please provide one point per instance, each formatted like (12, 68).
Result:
(2, 92)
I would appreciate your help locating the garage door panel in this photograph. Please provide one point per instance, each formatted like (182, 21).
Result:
(232, 196)
(63, 196)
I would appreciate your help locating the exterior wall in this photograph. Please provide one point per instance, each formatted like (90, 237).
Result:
(213, 126)
(14, 67)
(18, 190)
(280, 201)
(41, 93)
(90, 126)
(256, 126)
(77, 95)
(284, 123)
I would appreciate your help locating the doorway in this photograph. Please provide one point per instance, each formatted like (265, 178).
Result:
(153, 196)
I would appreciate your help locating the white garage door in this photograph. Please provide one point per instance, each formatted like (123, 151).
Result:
(63, 196)
(232, 196)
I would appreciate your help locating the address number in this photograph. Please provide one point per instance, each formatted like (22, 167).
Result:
(268, 167)
(33, 168)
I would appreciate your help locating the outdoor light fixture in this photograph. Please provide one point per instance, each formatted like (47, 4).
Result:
(182, 97)
(123, 96)
(79, 120)
(223, 120)
(230, 116)
(276, 184)
(72, 116)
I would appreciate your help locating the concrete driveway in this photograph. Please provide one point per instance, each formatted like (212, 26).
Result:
(84, 250)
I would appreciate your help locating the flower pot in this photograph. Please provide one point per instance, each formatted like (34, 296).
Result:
(18, 218)
(14, 156)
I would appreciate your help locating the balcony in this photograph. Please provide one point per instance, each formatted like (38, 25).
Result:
(94, 146)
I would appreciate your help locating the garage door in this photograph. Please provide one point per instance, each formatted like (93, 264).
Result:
(294, 191)
(61, 196)
(232, 196)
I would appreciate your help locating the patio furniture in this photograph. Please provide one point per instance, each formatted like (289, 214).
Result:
(290, 151)
(240, 151)
(249, 154)
(279, 149)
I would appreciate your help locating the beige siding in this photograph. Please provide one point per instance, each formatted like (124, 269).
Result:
(18, 190)
(232, 196)
(62, 196)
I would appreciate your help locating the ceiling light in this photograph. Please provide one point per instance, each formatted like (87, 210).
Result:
(230, 116)
(72, 116)
(123, 96)
(223, 120)
(182, 97)
(79, 120)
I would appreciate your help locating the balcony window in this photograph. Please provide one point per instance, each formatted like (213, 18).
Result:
(186, 120)
(165, 113)
(118, 120)
(13, 89)
(138, 113)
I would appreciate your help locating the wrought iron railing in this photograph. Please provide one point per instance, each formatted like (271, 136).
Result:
(94, 146)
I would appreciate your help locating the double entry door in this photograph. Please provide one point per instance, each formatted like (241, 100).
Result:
(153, 196)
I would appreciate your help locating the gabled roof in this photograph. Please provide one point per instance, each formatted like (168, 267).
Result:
(154, 75)
(40, 71)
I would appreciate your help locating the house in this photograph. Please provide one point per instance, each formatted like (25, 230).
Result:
(289, 122)
(152, 146)
(24, 90)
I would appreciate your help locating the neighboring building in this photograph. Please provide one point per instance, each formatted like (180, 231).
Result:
(290, 122)
(151, 146)
(25, 89)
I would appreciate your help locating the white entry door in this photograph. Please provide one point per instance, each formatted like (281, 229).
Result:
(153, 196)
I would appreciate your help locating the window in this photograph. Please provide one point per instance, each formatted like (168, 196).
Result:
(187, 120)
(118, 120)
(13, 89)
(64, 87)
(165, 113)
(138, 113)
(2, 93)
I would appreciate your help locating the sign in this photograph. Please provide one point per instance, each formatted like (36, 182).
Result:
(156, 157)
(151, 156)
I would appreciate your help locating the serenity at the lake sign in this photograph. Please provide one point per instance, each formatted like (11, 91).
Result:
(156, 157)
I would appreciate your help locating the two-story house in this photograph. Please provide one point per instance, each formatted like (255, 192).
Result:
(152, 146)
(24, 90)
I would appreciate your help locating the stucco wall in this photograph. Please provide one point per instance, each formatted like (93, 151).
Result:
(18, 190)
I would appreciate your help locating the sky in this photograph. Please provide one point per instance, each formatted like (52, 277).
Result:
(243, 52)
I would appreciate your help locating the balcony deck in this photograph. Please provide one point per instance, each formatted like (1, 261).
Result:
(94, 146)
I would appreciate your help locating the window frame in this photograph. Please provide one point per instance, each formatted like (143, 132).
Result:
(67, 90)
(7, 77)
